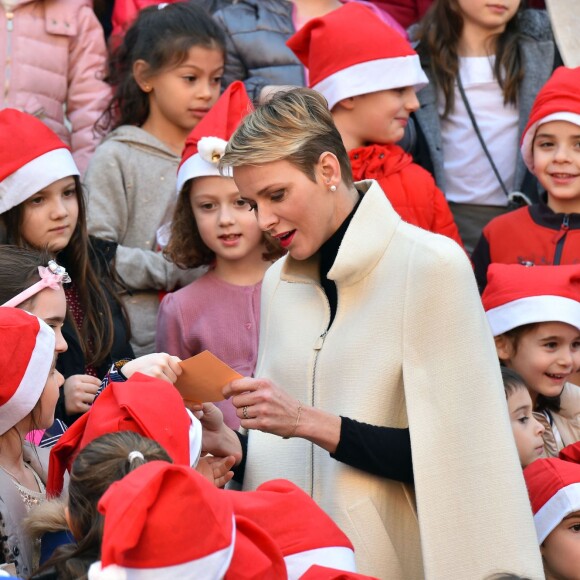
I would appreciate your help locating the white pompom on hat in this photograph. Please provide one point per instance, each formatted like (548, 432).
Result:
(35, 158)
(516, 295)
(206, 144)
(558, 100)
(26, 357)
(351, 51)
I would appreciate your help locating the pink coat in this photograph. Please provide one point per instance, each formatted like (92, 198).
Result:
(52, 53)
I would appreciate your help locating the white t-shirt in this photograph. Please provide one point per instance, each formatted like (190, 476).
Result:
(468, 172)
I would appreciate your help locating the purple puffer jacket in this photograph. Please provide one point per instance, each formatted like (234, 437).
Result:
(52, 62)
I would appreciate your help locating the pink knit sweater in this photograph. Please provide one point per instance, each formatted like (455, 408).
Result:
(210, 314)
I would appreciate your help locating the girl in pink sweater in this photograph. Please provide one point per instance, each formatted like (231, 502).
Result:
(212, 226)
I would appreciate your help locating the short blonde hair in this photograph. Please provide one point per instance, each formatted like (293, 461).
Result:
(294, 126)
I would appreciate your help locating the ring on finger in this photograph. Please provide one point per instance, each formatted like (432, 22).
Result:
(245, 412)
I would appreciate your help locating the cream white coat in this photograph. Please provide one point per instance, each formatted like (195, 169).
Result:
(410, 346)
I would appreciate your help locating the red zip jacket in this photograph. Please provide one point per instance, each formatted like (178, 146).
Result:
(532, 234)
(410, 188)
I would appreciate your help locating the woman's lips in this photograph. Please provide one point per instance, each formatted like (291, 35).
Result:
(286, 238)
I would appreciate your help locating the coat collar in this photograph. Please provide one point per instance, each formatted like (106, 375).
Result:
(364, 242)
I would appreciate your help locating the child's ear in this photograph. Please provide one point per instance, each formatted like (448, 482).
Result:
(504, 347)
(140, 70)
(348, 104)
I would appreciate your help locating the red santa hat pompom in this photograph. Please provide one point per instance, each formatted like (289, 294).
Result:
(305, 534)
(167, 521)
(341, 62)
(516, 295)
(558, 100)
(130, 406)
(35, 158)
(554, 488)
(26, 357)
(206, 144)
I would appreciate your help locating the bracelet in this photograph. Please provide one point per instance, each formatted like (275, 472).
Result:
(291, 434)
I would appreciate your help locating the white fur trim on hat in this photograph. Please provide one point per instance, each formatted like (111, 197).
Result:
(564, 502)
(533, 309)
(214, 565)
(337, 557)
(194, 438)
(34, 176)
(196, 166)
(372, 76)
(528, 140)
(33, 382)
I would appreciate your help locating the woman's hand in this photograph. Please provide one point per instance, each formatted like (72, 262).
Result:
(216, 469)
(159, 364)
(79, 393)
(262, 405)
(217, 438)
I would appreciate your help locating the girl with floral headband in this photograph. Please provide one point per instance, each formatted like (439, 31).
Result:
(29, 280)
(42, 207)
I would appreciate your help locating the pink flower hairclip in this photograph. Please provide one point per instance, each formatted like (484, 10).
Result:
(51, 276)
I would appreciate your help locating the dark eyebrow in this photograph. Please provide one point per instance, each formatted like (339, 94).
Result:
(523, 408)
(268, 189)
(570, 516)
(550, 136)
(194, 67)
(54, 320)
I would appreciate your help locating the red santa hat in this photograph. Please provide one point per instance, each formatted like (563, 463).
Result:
(558, 100)
(26, 357)
(167, 521)
(146, 405)
(554, 489)
(305, 534)
(351, 52)
(35, 158)
(206, 144)
(516, 295)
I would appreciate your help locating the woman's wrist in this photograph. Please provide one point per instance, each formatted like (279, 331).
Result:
(319, 427)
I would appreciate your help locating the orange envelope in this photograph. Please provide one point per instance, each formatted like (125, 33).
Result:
(203, 378)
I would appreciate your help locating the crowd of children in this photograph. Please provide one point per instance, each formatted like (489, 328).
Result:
(127, 246)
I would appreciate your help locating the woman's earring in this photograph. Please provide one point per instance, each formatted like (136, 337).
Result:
(332, 188)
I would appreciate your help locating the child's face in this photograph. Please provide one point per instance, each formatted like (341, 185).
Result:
(44, 418)
(556, 153)
(545, 357)
(381, 117)
(561, 549)
(50, 306)
(525, 427)
(224, 220)
(50, 216)
(180, 97)
(488, 16)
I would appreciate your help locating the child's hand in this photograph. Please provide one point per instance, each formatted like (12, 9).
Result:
(216, 469)
(79, 393)
(217, 438)
(159, 364)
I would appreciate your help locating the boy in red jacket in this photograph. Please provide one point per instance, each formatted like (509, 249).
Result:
(548, 232)
(368, 73)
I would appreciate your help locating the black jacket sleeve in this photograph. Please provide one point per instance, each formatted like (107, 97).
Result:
(383, 451)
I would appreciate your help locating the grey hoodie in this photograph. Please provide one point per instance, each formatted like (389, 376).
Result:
(131, 183)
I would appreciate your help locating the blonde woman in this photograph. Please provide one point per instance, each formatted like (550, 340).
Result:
(370, 329)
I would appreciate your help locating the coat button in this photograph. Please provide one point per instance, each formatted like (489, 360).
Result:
(381, 156)
(16, 551)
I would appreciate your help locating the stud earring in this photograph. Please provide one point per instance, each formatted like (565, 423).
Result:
(332, 188)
